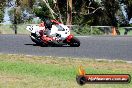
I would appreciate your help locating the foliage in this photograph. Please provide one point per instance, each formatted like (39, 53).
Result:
(111, 8)
(128, 3)
(15, 17)
(41, 11)
(1, 15)
(86, 30)
(85, 13)
(86, 10)
(27, 3)
(83, 30)
(2, 5)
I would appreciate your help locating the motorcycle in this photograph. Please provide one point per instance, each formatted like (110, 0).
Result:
(59, 33)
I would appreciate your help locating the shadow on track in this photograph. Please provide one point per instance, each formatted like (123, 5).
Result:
(47, 46)
(31, 44)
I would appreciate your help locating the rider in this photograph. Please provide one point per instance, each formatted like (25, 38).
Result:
(45, 26)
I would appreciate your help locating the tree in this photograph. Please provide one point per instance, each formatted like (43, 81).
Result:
(1, 15)
(128, 4)
(50, 8)
(41, 10)
(27, 3)
(16, 13)
(111, 9)
(2, 5)
(87, 10)
(69, 12)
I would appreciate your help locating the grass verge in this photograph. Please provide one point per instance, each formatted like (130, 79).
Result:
(20, 71)
(6, 29)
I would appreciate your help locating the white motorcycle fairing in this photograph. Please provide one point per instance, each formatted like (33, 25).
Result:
(60, 29)
(59, 33)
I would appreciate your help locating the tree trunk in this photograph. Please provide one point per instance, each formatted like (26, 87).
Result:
(15, 28)
(69, 12)
(15, 21)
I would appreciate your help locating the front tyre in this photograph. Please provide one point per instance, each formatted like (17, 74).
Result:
(74, 42)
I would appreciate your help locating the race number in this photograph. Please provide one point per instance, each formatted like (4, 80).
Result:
(31, 28)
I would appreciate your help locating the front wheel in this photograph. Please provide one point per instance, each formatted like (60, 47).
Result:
(74, 42)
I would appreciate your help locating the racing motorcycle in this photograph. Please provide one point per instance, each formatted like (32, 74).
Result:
(59, 33)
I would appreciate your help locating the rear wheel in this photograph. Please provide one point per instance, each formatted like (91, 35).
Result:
(74, 42)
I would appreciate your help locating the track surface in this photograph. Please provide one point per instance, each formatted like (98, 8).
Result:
(98, 47)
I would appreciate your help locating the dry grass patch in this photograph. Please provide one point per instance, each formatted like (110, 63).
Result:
(26, 71)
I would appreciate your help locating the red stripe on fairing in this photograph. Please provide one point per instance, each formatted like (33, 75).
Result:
(69, 38)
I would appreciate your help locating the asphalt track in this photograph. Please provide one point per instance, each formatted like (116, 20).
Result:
(96, 47)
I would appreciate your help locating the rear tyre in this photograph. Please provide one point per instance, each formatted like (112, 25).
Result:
(74, 42)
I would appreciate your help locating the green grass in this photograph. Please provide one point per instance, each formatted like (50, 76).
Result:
(122, 30)
(40, 70)
(6, 29)
(20, 71)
